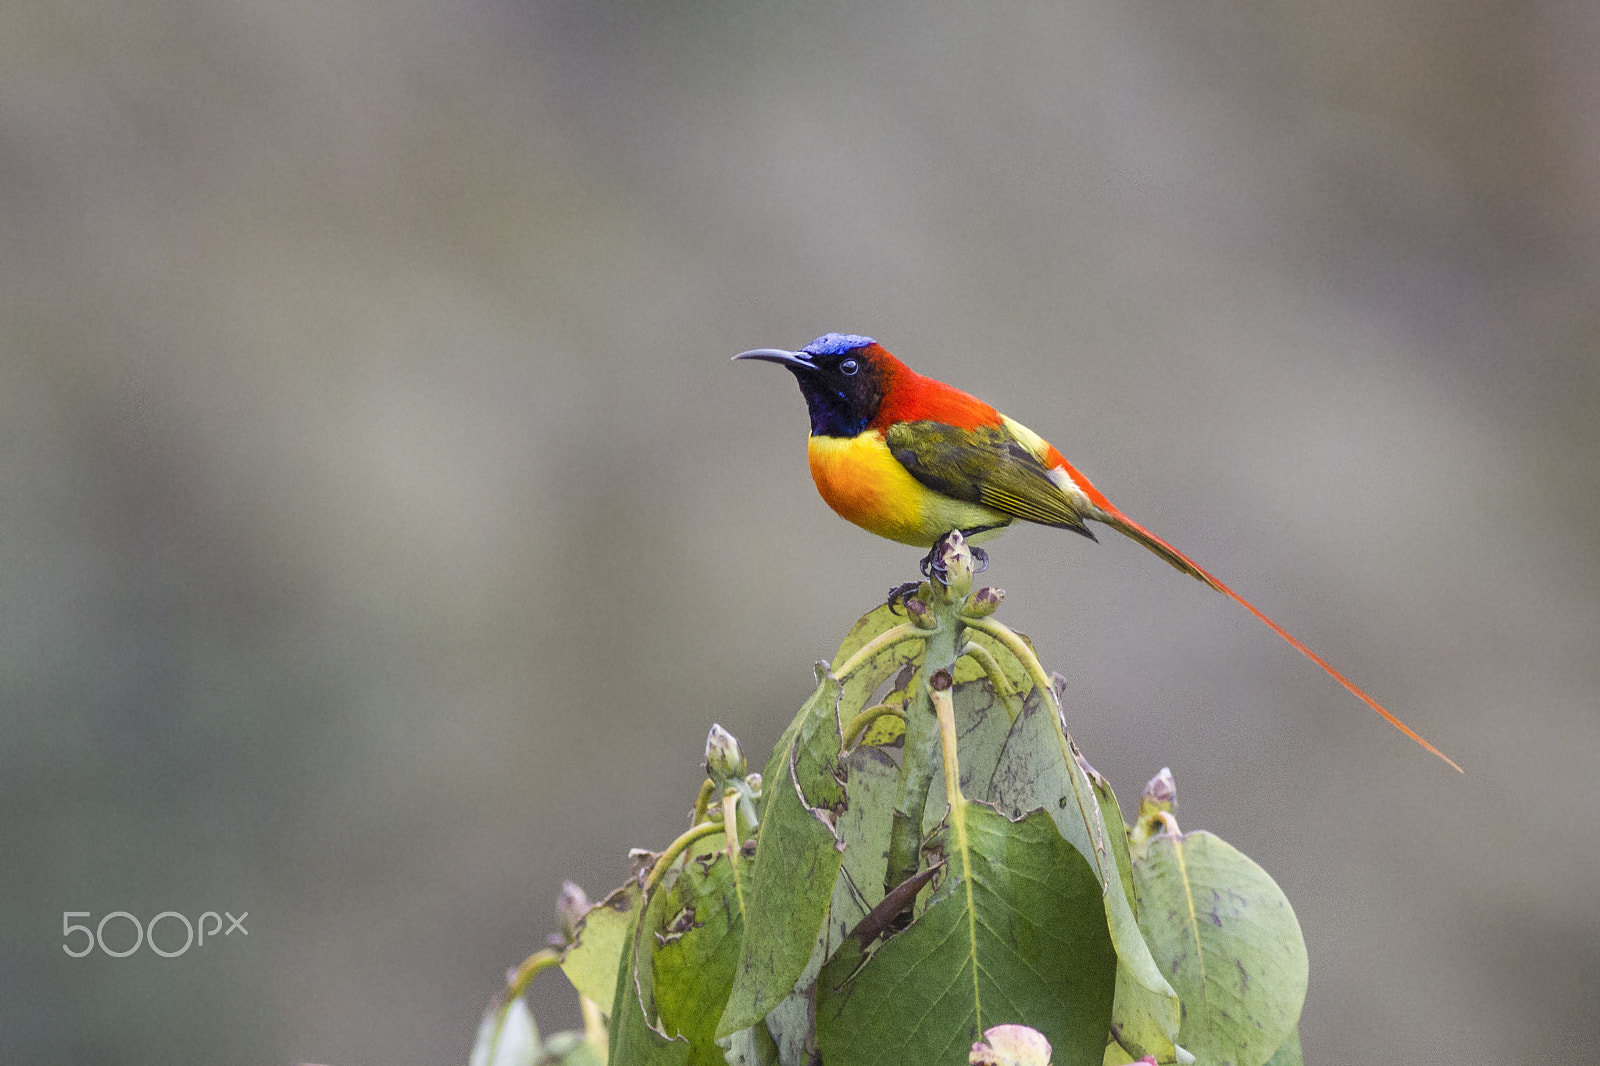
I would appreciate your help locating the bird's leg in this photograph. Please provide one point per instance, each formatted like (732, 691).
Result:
(980, 560)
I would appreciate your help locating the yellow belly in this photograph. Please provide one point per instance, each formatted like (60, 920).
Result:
(865, 483)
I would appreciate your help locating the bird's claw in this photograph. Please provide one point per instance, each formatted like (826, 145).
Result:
(934, 572)
(900, 594)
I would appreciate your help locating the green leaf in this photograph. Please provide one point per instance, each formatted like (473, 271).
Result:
(798, 854)
(1016, 933)
(865, 828)
(1289, 1053)
(1116, 833)
(982, 729)
(752, 1047)
(791, 1026)
(1037, 769)
(1227, 937)
(1146, 1014)
(799, 851)
(695, 957)
(636, 1035)
(865, 679)
(968, 669)
(591, 962)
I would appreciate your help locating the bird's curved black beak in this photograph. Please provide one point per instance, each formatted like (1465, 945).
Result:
(792, 360)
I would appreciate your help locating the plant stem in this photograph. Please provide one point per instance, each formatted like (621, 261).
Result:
(675, 849)
(1024, 654)
(858, 725)
(903, 631)
(730, 826)
(997, 677)
(944, 711)
(917, 763)
(911, 793)
(594, 1027)
(702, 802)
(531, 967)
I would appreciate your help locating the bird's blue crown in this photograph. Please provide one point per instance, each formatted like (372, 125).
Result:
(837, 344)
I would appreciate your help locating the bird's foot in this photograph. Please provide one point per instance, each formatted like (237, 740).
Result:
(900, 594)
(980, 559)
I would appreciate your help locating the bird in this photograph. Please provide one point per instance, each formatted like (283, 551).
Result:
(910, 458)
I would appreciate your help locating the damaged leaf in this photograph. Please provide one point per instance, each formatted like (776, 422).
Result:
(1019, 937)
(799, 850)
(599, 937)
(694, 961)
(636, 1034)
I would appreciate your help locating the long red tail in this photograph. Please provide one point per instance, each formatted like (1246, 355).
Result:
(1129, 528)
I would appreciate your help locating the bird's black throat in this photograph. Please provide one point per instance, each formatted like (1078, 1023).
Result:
(840, 404)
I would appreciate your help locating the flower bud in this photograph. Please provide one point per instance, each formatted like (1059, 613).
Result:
(724, 760)
(1011, 1045)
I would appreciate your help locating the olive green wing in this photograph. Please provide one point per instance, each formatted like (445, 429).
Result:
(984, 465)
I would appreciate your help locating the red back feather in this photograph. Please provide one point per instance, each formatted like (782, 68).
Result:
(910, 397)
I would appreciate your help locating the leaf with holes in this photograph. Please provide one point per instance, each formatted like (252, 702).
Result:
(636, 1034)
(696, 952)
(592, 960)
(1015, 933)
(798, 853)
(799, 850)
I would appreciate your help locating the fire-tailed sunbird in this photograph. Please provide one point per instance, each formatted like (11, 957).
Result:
(911, 458)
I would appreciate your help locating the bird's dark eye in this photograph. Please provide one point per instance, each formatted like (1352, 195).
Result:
(849, 366)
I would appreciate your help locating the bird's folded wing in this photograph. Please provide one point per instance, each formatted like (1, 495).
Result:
(985, 464)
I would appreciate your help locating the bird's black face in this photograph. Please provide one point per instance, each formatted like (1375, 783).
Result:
(841, 381)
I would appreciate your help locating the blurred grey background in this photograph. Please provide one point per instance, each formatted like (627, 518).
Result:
(382, 524)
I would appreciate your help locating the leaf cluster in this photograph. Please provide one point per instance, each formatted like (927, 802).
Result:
(836, 908)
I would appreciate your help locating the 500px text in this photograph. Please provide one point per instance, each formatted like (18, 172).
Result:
(143, 934)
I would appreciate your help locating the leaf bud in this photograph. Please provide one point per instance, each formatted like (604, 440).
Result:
(952, 564)
(724, 759)
(983, 602)
(1162, 790)
(921, 617)
(1155, 812)
(571, 905)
